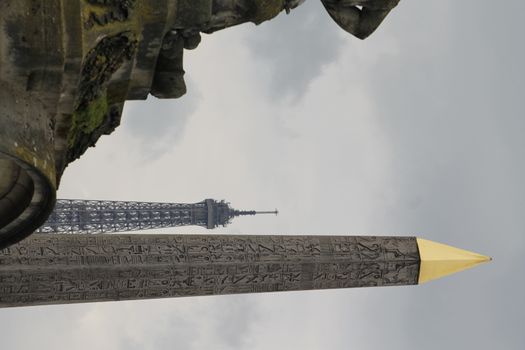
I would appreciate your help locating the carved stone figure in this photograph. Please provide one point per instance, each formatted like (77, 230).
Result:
(359, 17)
(168, 81)
(227, 13)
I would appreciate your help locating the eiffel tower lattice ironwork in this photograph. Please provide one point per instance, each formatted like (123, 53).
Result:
(97, 216)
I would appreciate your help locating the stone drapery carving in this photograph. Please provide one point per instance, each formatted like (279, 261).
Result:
(359, 17)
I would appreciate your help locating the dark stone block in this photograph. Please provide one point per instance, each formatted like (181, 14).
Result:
(193, 13)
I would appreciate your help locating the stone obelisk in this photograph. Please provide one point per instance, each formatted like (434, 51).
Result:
(60, 269)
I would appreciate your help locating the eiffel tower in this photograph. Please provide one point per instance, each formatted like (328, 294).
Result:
(95, 216)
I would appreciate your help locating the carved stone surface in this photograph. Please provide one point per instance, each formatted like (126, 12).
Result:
(56, 269)
(99, 66)
(359, 17)
(113, 11)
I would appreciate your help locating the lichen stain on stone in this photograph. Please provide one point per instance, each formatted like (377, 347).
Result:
(103, 12)
(88, 119)
(30, 157)
(92, 103)
(101, 63)
(145, 12)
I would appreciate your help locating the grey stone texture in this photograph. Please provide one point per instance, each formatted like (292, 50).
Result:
(59, 269)
(27, 173)
(31, 71)
(359, 17)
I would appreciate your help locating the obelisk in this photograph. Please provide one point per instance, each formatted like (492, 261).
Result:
(60, 269)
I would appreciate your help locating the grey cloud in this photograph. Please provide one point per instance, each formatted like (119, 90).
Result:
(215, 323)
(237, 317)
(450, 107)
(158, 124)
(451, 104)
(294, 48)
(220, 324)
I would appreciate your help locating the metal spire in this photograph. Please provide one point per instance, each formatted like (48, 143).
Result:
(253, 212)
(94, 216)
(439, 260)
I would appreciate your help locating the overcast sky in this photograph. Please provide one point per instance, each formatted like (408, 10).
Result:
(418, 130)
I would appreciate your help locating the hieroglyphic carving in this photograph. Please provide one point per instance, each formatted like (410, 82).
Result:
(49, 269)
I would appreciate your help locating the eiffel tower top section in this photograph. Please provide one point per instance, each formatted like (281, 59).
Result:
(92, 216)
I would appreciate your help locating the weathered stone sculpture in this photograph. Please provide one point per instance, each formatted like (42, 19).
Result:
(358, 17)
(68, 66)
(359, 21)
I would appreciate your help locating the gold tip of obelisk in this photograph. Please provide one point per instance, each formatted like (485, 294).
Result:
(439, 260)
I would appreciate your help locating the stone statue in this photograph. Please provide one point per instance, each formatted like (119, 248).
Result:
(359, 17)
(228, 13)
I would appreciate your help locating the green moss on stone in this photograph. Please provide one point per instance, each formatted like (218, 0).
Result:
(264, 10)
(89, 119)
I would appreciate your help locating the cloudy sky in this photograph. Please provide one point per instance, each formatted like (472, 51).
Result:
(419, 130)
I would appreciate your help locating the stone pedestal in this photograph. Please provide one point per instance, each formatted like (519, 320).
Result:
(31, 70)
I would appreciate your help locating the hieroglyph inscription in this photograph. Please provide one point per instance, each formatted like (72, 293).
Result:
(49, 269)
